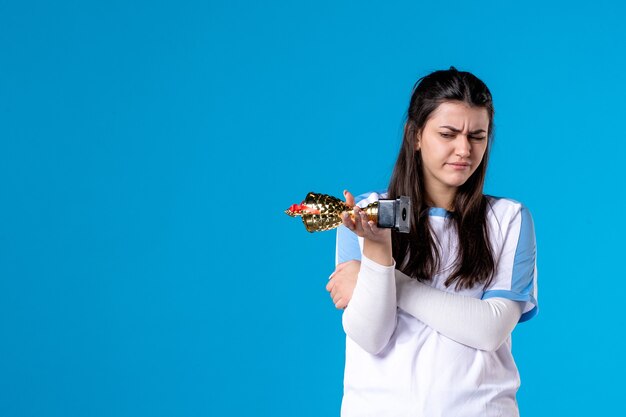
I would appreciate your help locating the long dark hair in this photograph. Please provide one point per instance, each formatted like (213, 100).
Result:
(416, 253)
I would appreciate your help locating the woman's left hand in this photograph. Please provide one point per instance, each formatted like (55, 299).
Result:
(341, 283)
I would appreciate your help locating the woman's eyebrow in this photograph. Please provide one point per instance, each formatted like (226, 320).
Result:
(457, 130)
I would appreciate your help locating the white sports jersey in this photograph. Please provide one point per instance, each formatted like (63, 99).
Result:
(424, 373)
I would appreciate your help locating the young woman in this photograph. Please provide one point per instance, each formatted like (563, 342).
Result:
(429, 314)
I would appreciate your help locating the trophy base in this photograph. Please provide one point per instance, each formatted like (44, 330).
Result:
(395, 214)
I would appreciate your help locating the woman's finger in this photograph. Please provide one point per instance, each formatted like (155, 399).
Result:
(334, 293)
(358, 224)
(349, 198)
(336, 298)
(371, 225)
(347, 221)
(363, 221)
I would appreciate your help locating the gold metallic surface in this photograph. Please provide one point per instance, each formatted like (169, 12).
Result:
(327, 212)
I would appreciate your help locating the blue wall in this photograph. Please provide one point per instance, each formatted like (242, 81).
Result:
(149, 148)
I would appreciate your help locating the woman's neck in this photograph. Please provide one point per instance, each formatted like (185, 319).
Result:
(443, 198)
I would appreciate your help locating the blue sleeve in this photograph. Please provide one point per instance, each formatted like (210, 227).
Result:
(347, 247)
(516, 271)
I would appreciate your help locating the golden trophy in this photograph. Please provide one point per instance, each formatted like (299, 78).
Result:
(323, 212)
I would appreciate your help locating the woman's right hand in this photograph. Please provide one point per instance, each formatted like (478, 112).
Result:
(362, 226)
(376, 241)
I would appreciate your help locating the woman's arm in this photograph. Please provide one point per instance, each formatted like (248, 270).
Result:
(481, 324)
(370, 318)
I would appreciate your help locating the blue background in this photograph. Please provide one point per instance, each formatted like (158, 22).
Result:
(149, 148)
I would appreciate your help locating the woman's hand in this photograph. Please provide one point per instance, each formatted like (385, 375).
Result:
(341, 283)
(361, 225)
(377, 242)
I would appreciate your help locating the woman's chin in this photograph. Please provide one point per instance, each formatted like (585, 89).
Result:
(456, 181)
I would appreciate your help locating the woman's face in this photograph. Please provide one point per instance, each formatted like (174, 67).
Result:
(452, 145)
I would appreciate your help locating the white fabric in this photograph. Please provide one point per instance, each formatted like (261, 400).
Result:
(399, 365)
(481, 324)
(370, 317)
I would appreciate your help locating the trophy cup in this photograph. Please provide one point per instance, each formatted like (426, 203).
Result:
(323, 212)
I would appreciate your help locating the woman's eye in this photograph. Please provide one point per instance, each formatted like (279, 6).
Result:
(478, 138)
(447, 135)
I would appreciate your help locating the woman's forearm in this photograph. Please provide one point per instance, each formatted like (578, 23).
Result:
(481, 324)
(379, 252)
(370, 317)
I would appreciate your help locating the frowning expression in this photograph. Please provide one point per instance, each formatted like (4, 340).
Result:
(452, 145)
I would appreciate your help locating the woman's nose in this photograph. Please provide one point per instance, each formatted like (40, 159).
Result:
(463, 147)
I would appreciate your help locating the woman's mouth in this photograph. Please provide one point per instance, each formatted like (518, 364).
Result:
(460, 166)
